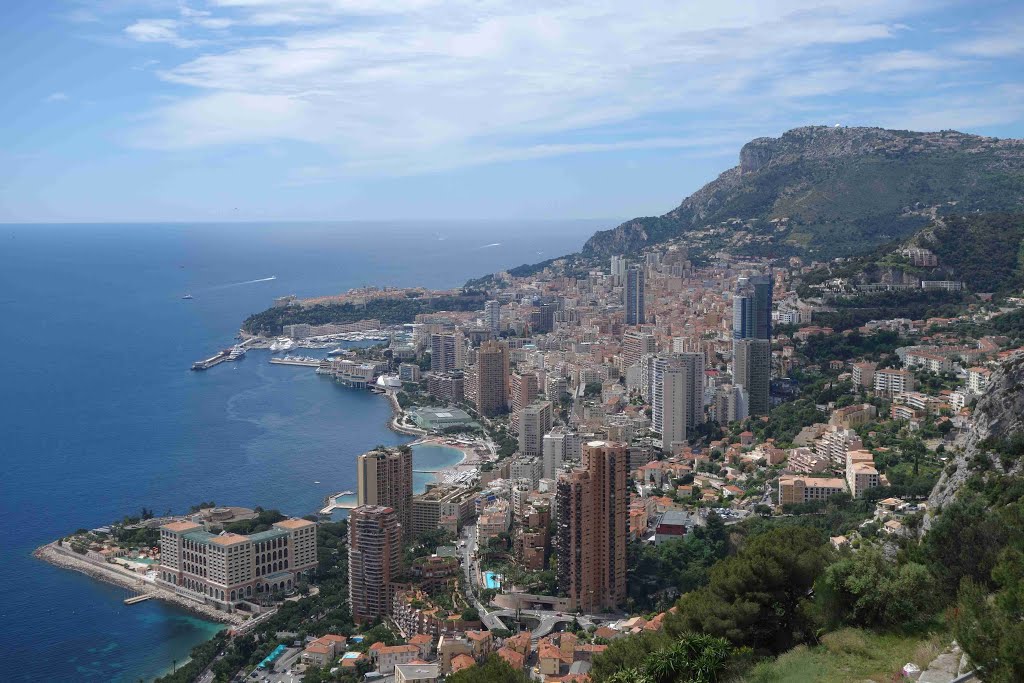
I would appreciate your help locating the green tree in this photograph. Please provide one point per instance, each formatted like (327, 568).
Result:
(758, 597)
(865, 589)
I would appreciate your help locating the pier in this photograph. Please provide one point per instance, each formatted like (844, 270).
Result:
(333, 504)
(222, 356)
(138, 598)
(304, 362)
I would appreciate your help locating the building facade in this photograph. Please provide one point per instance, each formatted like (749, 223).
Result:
(634, 296)
(491, 378)
(374, 559)
(224, 569)
(384, 478)
(593, 527)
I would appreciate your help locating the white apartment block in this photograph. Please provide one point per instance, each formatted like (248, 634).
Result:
(892, 381)
(224, 569)
(977, 379)
(835, 442)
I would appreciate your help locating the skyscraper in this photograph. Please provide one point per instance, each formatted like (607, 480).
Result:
(384, 478)
(752, 333)
(752, 369)
(593, 526)
(752, 308)
(634, 295)
(492, 316)
(492, 378)
(677, 396)
(447, 352)
(374, 560)
(534, 422)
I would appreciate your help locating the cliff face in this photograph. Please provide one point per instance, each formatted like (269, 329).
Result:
(999, 414)
(840, 189)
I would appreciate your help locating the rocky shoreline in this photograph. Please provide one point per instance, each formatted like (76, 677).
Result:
(67, 559)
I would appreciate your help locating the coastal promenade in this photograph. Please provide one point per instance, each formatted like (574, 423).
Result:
(68, 559)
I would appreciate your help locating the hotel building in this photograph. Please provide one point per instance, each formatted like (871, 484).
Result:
(224, 569)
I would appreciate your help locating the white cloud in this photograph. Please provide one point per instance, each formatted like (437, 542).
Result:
(406, 85)
(160, 31)
(56, 97)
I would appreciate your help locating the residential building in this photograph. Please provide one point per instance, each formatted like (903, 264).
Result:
(384, 477)
(409, 372)
(634, 296)
(752, 370)
(752, 308)
(593, 526)
(834, 443)
(853, 416)
(861, 474)
(634, 346)
(492, 316)
(447, 387)
(863, 374)
(417, 673)
(892, 381)
(323, 650)
(439, 503)
(977, 379)
(525, 389)
(492, 378)
(535, 421)
(447, 352)
(388, 657)
(799, 489)
(374, 560)
(224, 569)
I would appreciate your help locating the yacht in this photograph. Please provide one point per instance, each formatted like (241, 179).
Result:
(188, 296)
(236, 352)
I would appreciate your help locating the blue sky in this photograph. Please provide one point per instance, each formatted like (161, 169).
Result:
(160, 110)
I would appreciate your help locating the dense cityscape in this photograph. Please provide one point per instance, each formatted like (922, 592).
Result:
(618, 429)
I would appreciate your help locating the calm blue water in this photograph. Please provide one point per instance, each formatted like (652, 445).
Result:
(100, 415)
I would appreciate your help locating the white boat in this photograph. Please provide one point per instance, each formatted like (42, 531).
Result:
(236, 352)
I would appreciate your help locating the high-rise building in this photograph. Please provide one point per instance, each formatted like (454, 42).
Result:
(752, 370)
(593, 526)
(384, 478)
(677, 395)
(492, 315)
(225, 569)
(634, 295)
(618, 269)
(534, 422)
(374, 560)
(447, 352)
(525, 389)
(752, 308)
(730, 404)
(634, 346)
(492, 378)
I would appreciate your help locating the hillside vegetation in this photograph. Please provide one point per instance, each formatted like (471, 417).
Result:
(835, 191)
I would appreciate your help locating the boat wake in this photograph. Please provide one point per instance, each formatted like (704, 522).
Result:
(247, 282)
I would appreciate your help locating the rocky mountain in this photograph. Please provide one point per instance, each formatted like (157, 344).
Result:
(998, 420)
(834, 191)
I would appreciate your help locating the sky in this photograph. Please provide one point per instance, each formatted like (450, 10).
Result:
(225, 110)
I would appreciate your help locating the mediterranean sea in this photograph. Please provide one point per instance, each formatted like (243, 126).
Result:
(100, 415)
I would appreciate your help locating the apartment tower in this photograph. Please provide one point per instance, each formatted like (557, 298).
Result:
(492, 378)
(385, 479)
(634, 295)
(593, 526)
(374, 559)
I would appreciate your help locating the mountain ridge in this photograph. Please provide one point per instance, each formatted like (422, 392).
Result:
(829, 190)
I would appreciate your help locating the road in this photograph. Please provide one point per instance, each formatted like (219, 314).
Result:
(492, 619)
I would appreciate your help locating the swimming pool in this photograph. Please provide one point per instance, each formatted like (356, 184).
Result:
(492, 580)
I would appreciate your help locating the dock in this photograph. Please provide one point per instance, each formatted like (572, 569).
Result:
(211, 361)
(304, 362)
(333, 504)
(138, 598)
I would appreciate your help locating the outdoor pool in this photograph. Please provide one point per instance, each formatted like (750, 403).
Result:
(492, 580)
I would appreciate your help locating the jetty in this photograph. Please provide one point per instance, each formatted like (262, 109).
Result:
(333, 504)
(138, 598)
(305, 362)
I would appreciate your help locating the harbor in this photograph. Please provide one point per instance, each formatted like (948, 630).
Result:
(304, 361)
